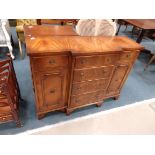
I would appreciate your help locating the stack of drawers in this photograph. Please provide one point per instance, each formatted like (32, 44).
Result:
(65, 82)
(95, 78)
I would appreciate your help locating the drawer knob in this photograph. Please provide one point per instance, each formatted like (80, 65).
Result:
(52, 91)
(77, 100)
(103, 71)
(83, 61)
(3, 118)
(128, 55)
(108, 59)
(52, 62)
(82, 74)
(78, 88)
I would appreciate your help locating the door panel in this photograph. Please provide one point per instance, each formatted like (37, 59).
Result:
(118, 78)
(51, 89)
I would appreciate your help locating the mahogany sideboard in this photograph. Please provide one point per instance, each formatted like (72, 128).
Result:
(70, 71)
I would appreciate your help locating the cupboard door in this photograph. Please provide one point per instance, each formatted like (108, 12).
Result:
(51, 90)
(118, 78)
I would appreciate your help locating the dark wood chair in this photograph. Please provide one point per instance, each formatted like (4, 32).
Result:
(151, 47)
(120, 22)
(9, 93)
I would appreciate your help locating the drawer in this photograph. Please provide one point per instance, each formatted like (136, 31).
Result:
(6, 118)
(92, 73)
(47, 62)
(128, 56)
(89, 61)
(90, 86)
(80, 100)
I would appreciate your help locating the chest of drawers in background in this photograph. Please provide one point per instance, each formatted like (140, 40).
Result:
(70, 72)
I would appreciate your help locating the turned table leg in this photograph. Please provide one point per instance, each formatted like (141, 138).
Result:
(118, 29)
(140, 36)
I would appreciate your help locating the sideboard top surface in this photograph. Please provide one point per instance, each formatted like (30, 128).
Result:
(59, 39)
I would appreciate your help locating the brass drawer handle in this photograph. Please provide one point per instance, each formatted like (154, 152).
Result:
(128, 55)
(104, 71)
(52, 91)
(83, 61)
(108, 59)
(82, 74)
(52, 62)
(3, 118)
(77, 100)
(78, 88)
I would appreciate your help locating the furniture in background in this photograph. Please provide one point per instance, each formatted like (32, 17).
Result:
(9, 93)
(20, 31)
(144, 25)
(120, 22)
(5, 36)
(46, 30)
(148, 46)
(94, 27)
(12, 22)
(77, 71)
(69, 21)
(57, 21)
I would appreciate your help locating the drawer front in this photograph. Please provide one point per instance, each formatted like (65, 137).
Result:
(92, 74)
(128, 56)
(89, 61)
(90, 86)
(47, 62)
(80, 100)
(6, 118)
(118, 78)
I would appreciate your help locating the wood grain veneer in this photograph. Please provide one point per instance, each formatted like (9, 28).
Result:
(71, 71)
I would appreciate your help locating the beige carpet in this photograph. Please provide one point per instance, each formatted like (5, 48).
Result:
(138, 118)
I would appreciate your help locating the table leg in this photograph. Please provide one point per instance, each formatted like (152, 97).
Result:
(140, 36)
(118, 29)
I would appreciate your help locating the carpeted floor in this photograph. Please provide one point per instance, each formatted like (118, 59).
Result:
(139, 86)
